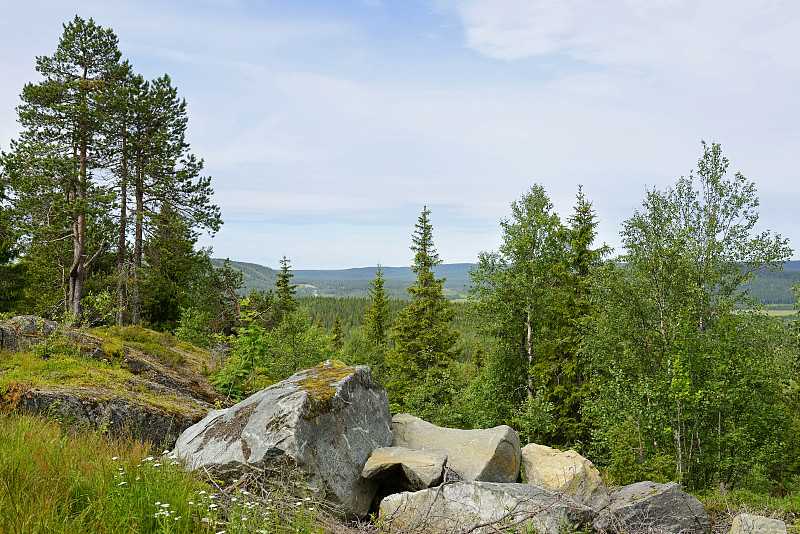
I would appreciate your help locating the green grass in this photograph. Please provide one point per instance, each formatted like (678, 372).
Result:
(59, 480)
(159, 344)
(723, 506)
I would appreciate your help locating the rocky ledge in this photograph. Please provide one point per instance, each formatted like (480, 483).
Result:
(105, 383)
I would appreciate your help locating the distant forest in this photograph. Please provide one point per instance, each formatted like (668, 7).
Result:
(351, 282)
(771, 288)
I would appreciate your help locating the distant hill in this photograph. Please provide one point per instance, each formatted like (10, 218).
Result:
(770, 288)
(351, 282)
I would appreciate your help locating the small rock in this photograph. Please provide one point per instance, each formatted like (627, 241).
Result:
(757, 524)
(652, 507)
(407, 468)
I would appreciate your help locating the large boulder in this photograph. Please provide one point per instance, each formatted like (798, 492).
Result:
(654, 508)
(490, 455)
(325, 421)
(463, 506)
(567, 472)
(757, 524)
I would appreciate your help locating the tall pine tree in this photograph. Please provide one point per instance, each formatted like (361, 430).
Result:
(62, 118)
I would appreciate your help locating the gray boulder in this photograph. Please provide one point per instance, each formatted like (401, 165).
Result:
(405, 468)
(757, 524)
(484, 507)
(325, 421)
(567, 472)
(490, 455)
(653, 508)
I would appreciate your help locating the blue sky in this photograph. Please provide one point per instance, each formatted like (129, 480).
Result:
(326, 125)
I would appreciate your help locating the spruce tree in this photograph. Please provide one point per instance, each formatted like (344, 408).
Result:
(284, 290)
(422, 333)
(378, 315)
(336, 334)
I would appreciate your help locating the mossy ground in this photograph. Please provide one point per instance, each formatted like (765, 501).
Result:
(58, 364)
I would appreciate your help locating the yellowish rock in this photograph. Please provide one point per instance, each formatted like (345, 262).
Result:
(566, 472)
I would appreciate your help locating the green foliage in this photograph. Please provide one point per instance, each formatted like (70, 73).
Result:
(336, 335)
(424, 341)
(627, 464)
(379, 314)
(263, 355)
(531, 296)
(700, 383)
(83, 481)
(159, 344)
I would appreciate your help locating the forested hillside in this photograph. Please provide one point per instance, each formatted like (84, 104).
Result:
(771, 288)
(350, 282)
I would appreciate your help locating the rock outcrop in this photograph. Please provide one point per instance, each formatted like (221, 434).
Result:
(122, 389)
(653, 508)
(490, 455)
(567, 472)
(325, 421)
(757, 524)
(463, 506)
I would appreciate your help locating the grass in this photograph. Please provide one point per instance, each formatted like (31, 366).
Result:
(59, 480)
(723, 506)
(159, 344)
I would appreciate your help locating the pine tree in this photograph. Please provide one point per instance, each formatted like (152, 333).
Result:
(63, 117)
(379, 314)
(424, 340)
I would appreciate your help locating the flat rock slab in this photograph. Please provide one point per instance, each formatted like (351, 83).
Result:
(654, 508)
(407, 468)
(757, 524)
(564, 471)
(484, 507)
(325, 421)
(490, 455)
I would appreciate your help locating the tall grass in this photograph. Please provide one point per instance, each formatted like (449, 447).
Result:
(52, 480)
(57, 480)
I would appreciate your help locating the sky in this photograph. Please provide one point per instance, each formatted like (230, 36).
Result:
(327, 125)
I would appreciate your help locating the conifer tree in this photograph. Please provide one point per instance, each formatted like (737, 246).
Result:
(285, 290)
(378, 315)
(62, 118)
(336, 334)
(422, 333)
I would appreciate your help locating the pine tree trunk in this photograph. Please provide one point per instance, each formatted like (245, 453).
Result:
(123, 222)
(137, 252)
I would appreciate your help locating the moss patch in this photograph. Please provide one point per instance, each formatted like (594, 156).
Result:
(320, 383)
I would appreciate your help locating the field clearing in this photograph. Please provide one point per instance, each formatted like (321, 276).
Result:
(780, 313)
